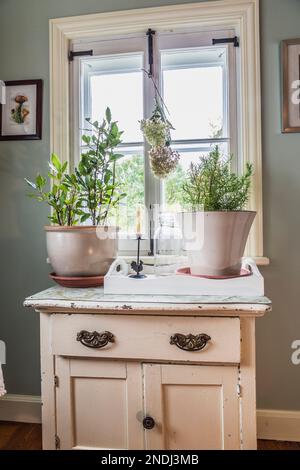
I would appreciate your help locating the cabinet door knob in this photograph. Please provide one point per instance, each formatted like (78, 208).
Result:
(148, 422)
(94, 339)
(190, 342)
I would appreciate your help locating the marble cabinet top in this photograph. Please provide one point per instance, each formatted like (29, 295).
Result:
(93, 300)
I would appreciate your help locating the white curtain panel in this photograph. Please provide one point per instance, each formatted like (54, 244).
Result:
(2, 387)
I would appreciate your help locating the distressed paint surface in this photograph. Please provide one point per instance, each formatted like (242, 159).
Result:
(58, 299)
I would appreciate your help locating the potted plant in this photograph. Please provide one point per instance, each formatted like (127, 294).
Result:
(222, 195)
(88, 194)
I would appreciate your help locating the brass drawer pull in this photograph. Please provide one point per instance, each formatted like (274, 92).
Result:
(190, 342)
(95, 340)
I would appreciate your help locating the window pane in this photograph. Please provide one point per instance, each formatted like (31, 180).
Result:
(172, 186)
(116, 82)
(130, 175)
(193, 89)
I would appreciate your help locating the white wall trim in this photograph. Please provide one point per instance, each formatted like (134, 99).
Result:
(20, 408)
(278, 425)
(242, 15)
(274, 425)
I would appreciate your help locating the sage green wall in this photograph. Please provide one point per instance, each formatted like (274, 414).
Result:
(24, 54)
(278, 380)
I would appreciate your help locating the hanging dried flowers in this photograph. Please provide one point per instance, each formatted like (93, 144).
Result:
(163, 160)
(156, 130)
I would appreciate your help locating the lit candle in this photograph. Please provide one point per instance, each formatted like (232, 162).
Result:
(138, 222)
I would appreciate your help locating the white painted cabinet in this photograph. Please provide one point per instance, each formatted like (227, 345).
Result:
(98, 404)
(102, 404)
(124, 375)
(195, 407)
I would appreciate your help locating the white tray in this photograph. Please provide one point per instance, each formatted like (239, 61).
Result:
(118, 282)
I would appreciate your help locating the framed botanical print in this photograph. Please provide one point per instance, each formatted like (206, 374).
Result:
(291, 85)
(21, 114)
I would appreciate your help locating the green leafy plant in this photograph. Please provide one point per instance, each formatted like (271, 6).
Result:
(92, 190)
(211, 184)
(96, 172)
(64, 195)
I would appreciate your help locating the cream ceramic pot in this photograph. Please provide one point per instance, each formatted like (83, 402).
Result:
(223, 240)
(81, 251)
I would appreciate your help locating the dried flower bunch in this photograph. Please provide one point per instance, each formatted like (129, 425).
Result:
(163, 160)
(156, 130)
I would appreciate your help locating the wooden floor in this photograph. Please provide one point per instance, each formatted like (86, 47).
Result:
(21, 436)
(277, 445)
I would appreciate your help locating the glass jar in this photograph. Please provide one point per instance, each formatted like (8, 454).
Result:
(167, 245)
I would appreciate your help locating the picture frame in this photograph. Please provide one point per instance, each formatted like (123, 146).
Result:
(21, 114)
(290, 58)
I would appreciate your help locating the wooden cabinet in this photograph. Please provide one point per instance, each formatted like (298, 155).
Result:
(147, 376)
(99, 404)
(195, 407)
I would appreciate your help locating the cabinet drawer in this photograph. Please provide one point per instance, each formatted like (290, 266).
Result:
(150, 338)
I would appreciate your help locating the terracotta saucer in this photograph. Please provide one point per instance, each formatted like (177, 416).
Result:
(187, 272)
(78, 282)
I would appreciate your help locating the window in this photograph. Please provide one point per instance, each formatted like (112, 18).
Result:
(244, 83)
(197, 82)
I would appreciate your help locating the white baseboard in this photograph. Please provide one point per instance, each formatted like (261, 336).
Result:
(20, 408)
(278, 425)
(271, 424)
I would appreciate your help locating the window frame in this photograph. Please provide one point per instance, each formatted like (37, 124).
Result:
(240, 15)
(163, 42)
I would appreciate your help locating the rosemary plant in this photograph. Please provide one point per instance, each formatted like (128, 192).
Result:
(211, 184)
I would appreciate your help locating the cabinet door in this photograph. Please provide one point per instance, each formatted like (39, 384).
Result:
(194, 407)
(99, 404)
